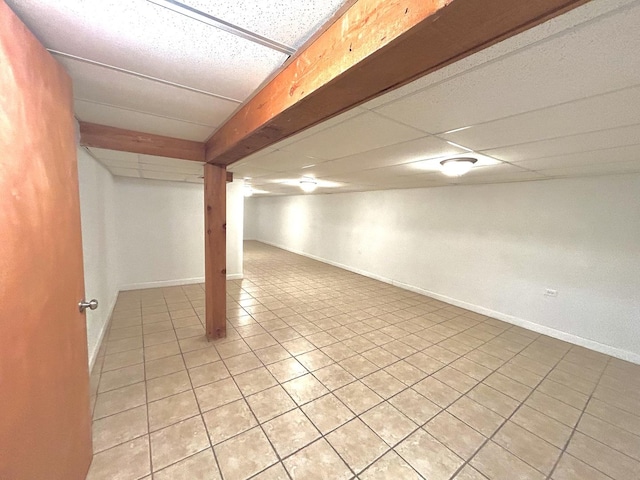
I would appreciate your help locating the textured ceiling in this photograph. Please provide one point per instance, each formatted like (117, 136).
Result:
(559, 100)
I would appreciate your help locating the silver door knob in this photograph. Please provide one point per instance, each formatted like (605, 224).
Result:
(83, 305)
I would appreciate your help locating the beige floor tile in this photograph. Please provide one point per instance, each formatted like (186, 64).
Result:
(380, 357)
(242, 363)
(235, 466)
(327, 413)
(493, 400)
(270, 403)
(121, 378)
(498, 464)
(475, 415)
(200, 357)
(469, 473)
(610, 435)
(290, 432)
(172, 409)
(164, 366)
(455, 434)
(275, 472)
(383, 384)
(405, 372)
(358, 366)
(390, 466)
(162, 387)
(272, 354)
(158, 327)
(119, 346)
(436, 391)
(338, 351)
(217, 394)
(118, 400)
(602, 457)
(507, 386)
(177, 442)
(231, 349)
(161, 351)
(159, 338)
(389, 423)
(424, 362)
(455, 379)
(119, 428)
(286, 370)
(333, 376)
(228, 421)
(357, 444)
(185, 322)
(298, 346)
(304, 389)
(358, 397)
(124, 359)
(415, 406)
(528, 447)
(554, 408)
(570, 468)
(198, 343)
(208, 373)
(124, 462)
(318, 461)
(260, 341)
(314, 360)
(201, 466)
(255, 381)
(429, 457)
(543, 426)
(620, 418)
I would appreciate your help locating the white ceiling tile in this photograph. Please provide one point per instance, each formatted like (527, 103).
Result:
(281, 161)
(289, 22)
(410, 151)
(141, 122)
(522, 176)
(358, 134)
(152, 40)
(569, 20)
(176, 177)
(566, 145)
(102, 85)
(576, 64)
(594, 169)
(117, 163)
(105, 154)
(125, 172)
(601, 112)
(606, 156)
(170, 162)
(252, 171)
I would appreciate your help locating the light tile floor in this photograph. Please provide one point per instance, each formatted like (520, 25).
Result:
(326, 374)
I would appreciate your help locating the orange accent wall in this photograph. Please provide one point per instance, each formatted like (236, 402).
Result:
(45, 425)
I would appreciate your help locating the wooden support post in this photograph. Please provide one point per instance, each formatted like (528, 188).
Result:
(215, 250)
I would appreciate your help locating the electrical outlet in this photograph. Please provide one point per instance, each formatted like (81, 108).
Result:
(550, 292)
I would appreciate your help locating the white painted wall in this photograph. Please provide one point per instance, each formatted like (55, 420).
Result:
(160, 229)
(491, 248)
(97, 213)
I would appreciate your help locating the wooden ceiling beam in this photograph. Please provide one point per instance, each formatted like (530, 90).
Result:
(374, 47)
(112, 138)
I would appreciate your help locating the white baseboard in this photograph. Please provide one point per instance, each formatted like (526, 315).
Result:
(235, 276)
(94, 354)
(536, 327)
(161, 283)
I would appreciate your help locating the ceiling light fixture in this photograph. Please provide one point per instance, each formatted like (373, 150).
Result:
(308, 184)
(456, 167)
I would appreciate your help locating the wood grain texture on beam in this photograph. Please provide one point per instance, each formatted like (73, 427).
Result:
(229, 177)
(374, 47)
(215, 250)
(112, 138)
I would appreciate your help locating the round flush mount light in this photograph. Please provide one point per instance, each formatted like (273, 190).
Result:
(456, 167)
(308, 184)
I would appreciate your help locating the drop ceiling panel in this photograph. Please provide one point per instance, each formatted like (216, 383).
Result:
(125, 172)
(358, 134)
(514, 85)
(170, 162)
(601, 112)
(413, 150)
(141, 122)
(597, 169)
(522, 176)
(290, 22)
(102, 85)
(604, 157)
(103, 153)
(281, 161)
(566, 145)
(149, 39)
